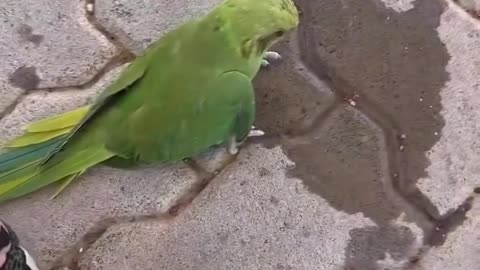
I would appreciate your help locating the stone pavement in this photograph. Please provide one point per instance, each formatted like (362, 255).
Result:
(376, 164)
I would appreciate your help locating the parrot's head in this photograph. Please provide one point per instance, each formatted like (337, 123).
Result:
(261, 23)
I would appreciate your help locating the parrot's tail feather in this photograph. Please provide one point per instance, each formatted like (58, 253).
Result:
(30, 175)
(65, 182)
(31, 138)
(65, 120)
(49, 128)
(14, 158)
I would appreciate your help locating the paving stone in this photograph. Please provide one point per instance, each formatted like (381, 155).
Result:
(8, 96)
(245, 219)
(48, 44)
(461, 249)
(48, 227)
(138, 23)
(454, 168)
(399, 5)
(472, 6)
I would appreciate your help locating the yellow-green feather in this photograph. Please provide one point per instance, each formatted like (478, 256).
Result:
(48, 128)
(61, 121)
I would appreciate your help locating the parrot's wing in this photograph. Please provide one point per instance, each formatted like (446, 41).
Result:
(240, 91)
(232, 95)
(129, 76)
(223, 110)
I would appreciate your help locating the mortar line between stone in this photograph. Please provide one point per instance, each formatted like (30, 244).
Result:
(10, 108)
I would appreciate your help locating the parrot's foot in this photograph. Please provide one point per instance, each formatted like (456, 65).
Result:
(270, 56)
(255, 132)
(232, 147)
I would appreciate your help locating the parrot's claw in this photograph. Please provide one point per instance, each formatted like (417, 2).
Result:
(271, 55)
(255, 133)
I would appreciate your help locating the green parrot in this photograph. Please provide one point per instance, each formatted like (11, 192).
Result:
(189, 91)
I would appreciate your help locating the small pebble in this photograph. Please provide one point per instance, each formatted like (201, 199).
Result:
(90, 8)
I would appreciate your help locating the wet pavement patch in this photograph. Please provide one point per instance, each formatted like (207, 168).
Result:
(395, 65)
(341, 161)
(369, 245)
(448, 223)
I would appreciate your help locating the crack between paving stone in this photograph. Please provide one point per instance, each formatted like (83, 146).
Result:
(115, 62)
(10, 108)
(99, 27)
(124, 56)
(473, 13)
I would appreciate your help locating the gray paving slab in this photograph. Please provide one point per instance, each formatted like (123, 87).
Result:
(453, 172)
(461, 249)
(454, 167)
(48, 44)
(138, 23)
(399, 5)
(10, 95)
(252, 217)
(472, 6)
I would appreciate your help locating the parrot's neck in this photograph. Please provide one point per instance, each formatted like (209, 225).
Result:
(240, 50)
